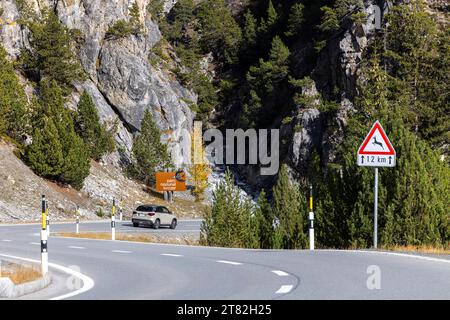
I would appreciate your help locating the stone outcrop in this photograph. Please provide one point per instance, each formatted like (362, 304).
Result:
(122, 83)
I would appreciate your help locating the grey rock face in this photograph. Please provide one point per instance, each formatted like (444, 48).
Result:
(122, 82)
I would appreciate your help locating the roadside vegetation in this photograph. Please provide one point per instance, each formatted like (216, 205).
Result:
(135, 237)
(18, 273)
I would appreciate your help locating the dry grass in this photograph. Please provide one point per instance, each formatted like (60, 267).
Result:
(187, 240)
(20, 274)
(420, 249)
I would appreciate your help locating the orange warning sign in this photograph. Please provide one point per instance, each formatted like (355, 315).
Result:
(170, 181)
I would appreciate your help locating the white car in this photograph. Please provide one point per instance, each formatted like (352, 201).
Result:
(154, 216)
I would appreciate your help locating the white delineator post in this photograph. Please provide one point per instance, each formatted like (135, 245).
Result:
(311, 220)
(113, 220)
(78, 220)
(44, 247)
(121, 209)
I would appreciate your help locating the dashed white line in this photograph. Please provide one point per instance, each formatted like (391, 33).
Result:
(285, 289)
(229, 262)
(35, 243)
(6, 240)
(75, 247)
(280, 273)
(121, 251)
(171, 255)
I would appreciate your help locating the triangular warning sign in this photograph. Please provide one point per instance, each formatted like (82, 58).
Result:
(376, 142)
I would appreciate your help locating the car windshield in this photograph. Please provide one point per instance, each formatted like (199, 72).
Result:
(145, 208)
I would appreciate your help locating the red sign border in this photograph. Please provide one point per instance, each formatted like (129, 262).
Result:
(378, 126)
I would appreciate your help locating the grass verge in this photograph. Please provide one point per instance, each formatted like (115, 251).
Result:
(444, 250)
(18, 273)
(187, 240)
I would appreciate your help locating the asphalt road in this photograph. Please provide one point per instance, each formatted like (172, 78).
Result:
(126, 270)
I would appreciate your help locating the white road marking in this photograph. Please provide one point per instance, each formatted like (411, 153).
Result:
(229, 262)
(75, 247)
(88, 283)
(285, 288)
(35, 243)
(121, 251)
(406, 255)
(6, 240)
(280, 273)
(171, 255)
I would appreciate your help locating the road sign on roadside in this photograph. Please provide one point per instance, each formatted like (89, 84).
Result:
(376, 149)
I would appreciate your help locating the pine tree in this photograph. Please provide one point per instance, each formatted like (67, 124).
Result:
(135, 19)
(265, 217)
(220, 33)
(52, 53)
(249, 30)
(230, 221)
(156, 9)
(95, 135)
(76, 162)
(273, 71)
(13, 102)
(289, 206)
(270, 20)
(149, 153)
(56, 124)
(45, 156)
(295, 20)
(417, 56)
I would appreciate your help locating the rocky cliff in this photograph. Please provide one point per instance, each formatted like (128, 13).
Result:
(121, 81)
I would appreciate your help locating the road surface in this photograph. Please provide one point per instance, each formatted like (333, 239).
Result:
(126, 270)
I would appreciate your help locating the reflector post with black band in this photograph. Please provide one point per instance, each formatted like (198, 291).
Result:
(44, 247)
(78, 220)
(311, 219)
(113, 220)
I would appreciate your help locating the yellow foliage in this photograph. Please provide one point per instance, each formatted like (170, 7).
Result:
(200, 170)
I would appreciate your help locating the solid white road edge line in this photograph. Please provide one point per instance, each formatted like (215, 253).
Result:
(171, 255)
(6, 240)
(392, 254)
(35, 243)
(229, 262)
(88, 283)
(121, 251)
(75, 247)
(285, 289)
(280, 273)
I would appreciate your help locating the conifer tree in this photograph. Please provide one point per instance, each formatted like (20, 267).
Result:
(149, 153)
(13, 102)
(135, 19)
(265, 217)
(52, 54)
(45, 154)
(270, 20)
(56, 124)
(230, 221)
(95, 135)
(289, 206)
(295, 20)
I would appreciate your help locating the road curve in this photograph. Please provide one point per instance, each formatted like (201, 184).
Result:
(126, 270)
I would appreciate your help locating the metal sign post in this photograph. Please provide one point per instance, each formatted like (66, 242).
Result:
(375, 211)
(376, 151)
